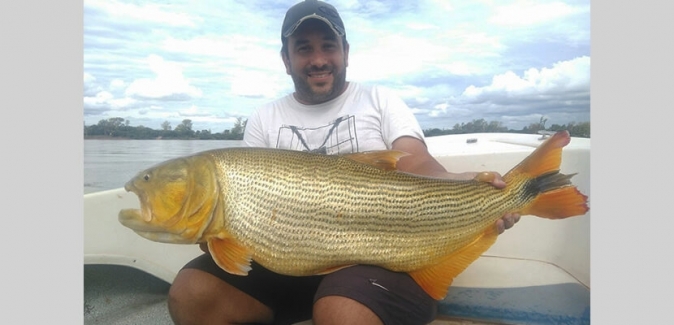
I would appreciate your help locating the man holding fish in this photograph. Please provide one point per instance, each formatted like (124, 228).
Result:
(329, 115)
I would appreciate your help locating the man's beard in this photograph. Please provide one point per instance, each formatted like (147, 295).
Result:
(307, 94)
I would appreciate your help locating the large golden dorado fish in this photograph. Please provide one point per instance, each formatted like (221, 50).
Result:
(300, 213)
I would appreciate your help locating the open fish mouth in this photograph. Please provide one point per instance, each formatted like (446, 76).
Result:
(133, 219)
(144, 213)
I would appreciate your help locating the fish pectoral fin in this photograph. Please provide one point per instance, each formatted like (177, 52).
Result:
(230, 255)
(436, 280)
(333, 269)
(382, 159)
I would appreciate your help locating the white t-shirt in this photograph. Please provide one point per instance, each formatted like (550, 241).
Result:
(363, 118)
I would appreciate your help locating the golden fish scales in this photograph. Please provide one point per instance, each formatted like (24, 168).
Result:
(305, 213)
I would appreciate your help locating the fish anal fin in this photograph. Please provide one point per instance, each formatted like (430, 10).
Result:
(382, 159)
(334, 269)
(230, 255)
(558, 204)
(436, 280)
(546, 158)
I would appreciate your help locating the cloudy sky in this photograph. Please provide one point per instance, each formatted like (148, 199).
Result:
(451, 61)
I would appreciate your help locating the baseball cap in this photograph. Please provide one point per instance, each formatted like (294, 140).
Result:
(312, 9)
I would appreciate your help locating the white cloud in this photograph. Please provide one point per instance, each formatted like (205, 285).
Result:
(91, 87)
(560, 92)
(194, 111)
(394, 55)
(523, 13)
(88, 78)
(240, 50)
(148, 13)
(441, 5)
(168, 84)
(99, 99)
(105, 100)
(563, 76)
(206, 45)
(117, 84)
(253, 83)
(420, 26)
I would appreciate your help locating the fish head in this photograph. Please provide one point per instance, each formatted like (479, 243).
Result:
(177, 199)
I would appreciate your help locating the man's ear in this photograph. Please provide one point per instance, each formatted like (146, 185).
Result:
(346, 54)
(286, 61)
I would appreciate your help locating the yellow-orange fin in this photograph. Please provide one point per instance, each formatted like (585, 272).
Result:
(436, 280)
(558, 204)
(552, 193)
(333, 269)
(383, 159)
(230, 255)
(545, 159)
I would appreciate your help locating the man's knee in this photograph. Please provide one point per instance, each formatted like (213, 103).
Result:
(342, 310)
(197, 297)
(394, 297)
(187, 286)
(186, 296)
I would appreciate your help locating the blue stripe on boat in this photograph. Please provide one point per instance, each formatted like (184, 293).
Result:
(566, 303)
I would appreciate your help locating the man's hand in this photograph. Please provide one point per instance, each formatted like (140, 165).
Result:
(509, 219)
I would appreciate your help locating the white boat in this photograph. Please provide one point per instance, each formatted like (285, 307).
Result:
(537, 272)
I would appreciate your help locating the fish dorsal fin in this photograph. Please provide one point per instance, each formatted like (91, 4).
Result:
(435, 280)
(382, 159)
(230, 255)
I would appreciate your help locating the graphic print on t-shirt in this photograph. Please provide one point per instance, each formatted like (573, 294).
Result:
(339, 136)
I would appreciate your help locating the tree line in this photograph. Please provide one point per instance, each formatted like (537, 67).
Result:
(118, 127)
(581, 130)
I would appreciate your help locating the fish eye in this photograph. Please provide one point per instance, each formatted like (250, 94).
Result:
(146, 177)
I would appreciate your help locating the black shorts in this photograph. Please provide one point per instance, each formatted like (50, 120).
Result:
(394, 297)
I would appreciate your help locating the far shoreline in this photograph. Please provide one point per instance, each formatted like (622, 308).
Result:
(98, 137)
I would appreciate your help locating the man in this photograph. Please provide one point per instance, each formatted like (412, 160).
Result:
(325, 114)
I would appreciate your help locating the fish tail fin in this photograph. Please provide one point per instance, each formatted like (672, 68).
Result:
(558, 204)
(555, 197)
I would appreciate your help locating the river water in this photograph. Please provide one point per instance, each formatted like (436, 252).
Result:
(108, 164)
